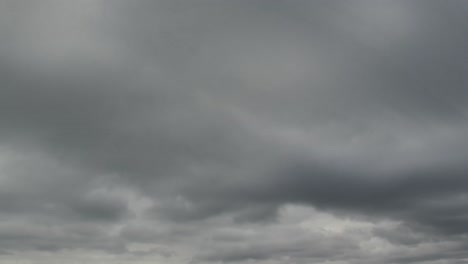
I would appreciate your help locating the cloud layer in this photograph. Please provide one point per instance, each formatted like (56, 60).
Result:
(205, 131)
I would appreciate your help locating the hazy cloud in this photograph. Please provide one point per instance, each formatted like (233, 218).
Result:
(179, 131)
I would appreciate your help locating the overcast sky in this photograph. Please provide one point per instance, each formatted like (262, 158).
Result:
(234, 131)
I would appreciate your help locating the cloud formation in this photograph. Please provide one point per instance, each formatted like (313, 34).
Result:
(205, 131)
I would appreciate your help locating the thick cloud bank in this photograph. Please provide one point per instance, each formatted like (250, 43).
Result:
(248, 131)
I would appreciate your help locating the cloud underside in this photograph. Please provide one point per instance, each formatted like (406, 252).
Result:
(245, 131)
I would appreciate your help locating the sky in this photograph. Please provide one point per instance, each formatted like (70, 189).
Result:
(239, 132)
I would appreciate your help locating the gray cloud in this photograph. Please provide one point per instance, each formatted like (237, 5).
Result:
(189, 131)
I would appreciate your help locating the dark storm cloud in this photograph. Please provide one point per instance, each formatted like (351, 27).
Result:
(410, 80)
(163, 122)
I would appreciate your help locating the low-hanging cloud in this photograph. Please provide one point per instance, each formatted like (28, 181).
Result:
(233, 131)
